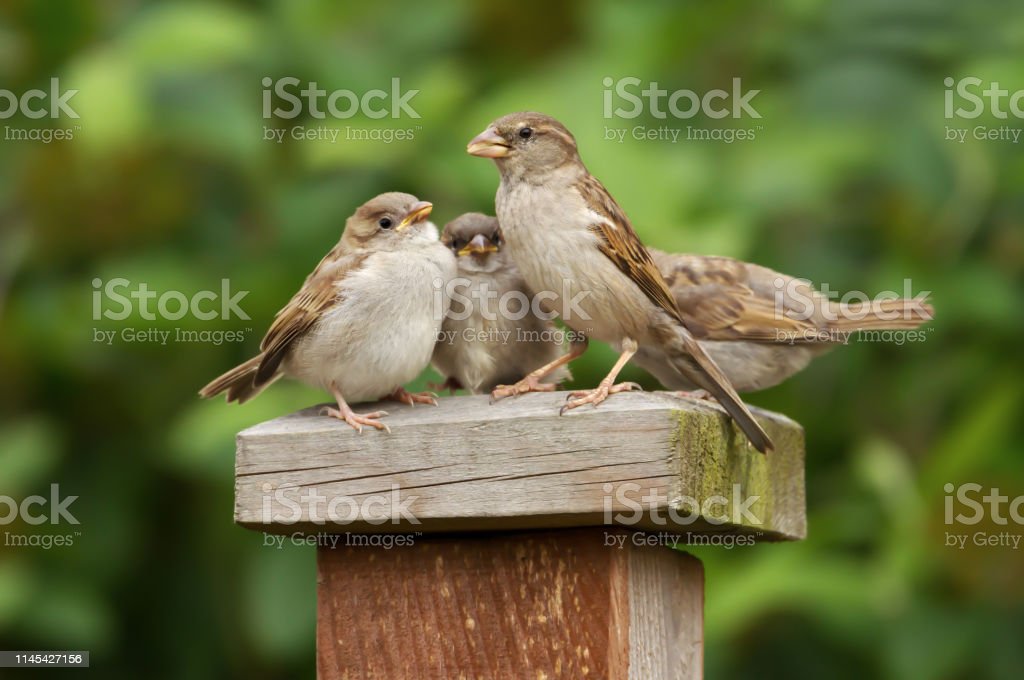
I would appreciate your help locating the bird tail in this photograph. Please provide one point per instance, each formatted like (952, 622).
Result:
(905, 314)
(239, 382)
(688, 358)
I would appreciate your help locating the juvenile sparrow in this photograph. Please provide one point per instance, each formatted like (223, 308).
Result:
(571, 240)
(491, 335)
(365, 321)
(761, 326)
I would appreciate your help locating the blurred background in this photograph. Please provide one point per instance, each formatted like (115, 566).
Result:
(168, 180)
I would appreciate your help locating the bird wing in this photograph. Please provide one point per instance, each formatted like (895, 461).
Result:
(295, 319)
(621, 245)
(726, 299)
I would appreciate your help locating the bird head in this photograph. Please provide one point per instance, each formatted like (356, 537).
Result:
(388, 221)
(476, 240)
(528, 142)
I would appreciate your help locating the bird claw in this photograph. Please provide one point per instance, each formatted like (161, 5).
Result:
(527, 384)
(596, 395)
(357, 420)
(413, 398)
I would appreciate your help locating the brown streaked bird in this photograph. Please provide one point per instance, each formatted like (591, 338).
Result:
(571, 240)
(760, 326)
(365, 321)
(491, 334)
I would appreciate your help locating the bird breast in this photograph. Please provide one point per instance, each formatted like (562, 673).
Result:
(382, 332)
(548, 232)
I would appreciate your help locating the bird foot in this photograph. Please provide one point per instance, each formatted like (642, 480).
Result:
(700, 395)
(450, 384)
(357, 420)
(528, 384)
(596, 395)
(412, 398)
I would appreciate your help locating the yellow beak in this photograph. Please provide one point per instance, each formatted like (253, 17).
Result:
(478, 246)
(417, 213)
(488, 144)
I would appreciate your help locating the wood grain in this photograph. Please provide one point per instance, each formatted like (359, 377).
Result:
(543, 604)
(471, 466)
(666, 594)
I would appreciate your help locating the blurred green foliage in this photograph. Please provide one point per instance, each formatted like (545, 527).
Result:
(169, 181)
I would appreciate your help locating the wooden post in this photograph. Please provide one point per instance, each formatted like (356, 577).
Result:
(506, 541)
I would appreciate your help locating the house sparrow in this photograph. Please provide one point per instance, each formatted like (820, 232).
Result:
(761, 326)
(491, 334)
(365, 321)
(571, 240)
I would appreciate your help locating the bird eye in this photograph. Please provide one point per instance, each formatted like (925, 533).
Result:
(526, 133)
(385, 223)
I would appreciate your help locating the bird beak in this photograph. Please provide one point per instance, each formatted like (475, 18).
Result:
(488, 144)
(417, 213)
(478, 246)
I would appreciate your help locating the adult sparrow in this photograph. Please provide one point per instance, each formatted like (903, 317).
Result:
(365, 321)
(761, 326)
(572, 241)
(493, 333)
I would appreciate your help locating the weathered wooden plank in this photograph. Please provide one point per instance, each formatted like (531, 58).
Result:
(647, 460)
(666, 595)
(541, 604)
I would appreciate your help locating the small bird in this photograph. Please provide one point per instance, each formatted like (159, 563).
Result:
(761, 326)
(571, 240)
(493, 334)
(365, 321)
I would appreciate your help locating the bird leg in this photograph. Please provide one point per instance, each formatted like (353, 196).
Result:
(532, 382)
(451, 383)
(356, 420)
(412, 398)
(606, 386)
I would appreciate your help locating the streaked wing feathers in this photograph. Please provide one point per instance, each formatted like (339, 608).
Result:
(318, 294)
(620, 243)
(726, 299)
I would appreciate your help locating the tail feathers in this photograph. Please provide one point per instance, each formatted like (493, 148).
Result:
(905, 314)
(690, 359)
(239, 382)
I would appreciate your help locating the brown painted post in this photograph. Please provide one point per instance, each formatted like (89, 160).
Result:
(538, 604)
(479, 541)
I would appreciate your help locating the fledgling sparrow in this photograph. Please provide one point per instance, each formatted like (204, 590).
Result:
(761, 326)
(365, 321)
(570, 239)
(491, 335)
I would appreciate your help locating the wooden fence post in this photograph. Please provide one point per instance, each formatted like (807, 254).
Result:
(506, 541)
